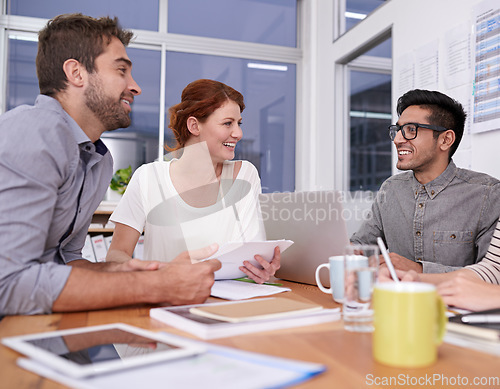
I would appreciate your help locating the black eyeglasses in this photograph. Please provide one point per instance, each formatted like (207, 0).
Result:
(409, 130)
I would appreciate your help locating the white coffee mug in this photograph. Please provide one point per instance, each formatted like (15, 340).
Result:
(336, 267)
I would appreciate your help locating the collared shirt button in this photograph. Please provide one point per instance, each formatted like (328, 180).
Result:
(420, 205)
(432, 192)
(419, 259)
(453, 236)
(419, 233)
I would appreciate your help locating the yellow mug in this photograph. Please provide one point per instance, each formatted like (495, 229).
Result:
(410, 322)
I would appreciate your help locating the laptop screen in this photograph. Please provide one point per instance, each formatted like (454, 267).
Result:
(316, 224)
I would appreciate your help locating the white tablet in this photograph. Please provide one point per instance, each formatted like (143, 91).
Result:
(82, 352)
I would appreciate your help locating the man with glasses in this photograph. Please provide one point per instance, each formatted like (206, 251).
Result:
(435, 217)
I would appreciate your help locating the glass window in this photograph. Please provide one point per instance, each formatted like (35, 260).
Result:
(383, 50)
(370, 115)
(357, 10)
(259, 21)
(22, 83)
(135, 15)
(133, 146)
(269, 117)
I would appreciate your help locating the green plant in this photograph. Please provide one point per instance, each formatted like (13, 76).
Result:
(120, 180)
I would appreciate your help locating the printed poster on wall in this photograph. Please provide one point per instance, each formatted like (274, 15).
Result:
(486, 106)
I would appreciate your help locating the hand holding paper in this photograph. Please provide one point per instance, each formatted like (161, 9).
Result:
(233, 254)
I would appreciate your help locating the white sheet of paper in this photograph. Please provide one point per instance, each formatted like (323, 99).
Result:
(238, 290)
(232, 255)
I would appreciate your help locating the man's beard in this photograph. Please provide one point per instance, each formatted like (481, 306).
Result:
(109, 111)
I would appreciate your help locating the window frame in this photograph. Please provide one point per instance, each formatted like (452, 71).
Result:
(347, 54)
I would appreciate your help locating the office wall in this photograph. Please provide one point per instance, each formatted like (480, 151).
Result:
(417, 28)
(427, 26)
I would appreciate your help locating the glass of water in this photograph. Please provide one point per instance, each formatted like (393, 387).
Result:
(361, 264)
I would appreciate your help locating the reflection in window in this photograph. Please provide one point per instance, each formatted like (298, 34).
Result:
(135, 15)
(370, 115)
(269, 117)
(259, 21)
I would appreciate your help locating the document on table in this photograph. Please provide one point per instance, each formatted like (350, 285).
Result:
(238, 290)
(218, 368)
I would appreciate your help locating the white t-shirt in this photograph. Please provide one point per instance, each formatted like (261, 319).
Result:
(171, 226)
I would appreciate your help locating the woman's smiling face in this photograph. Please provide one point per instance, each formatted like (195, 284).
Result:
(221, 131)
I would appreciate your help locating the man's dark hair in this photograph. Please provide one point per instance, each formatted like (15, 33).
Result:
(73, 36)
(444, 111)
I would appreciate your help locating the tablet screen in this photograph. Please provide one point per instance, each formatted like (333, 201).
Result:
(100, 346)
(87, 351)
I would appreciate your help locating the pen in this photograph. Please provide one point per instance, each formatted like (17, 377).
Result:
(481, 318)
(388, 262)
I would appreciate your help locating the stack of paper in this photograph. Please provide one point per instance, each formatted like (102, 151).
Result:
(482, 333)
(484, 324)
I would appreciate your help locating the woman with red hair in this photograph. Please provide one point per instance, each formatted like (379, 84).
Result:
(201, 196)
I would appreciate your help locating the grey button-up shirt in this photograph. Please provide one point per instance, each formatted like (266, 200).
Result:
(445, 224)
(46, 160)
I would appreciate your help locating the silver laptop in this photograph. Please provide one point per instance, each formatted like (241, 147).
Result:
(314, 221)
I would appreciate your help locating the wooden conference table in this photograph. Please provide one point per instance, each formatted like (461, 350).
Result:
(348, 356)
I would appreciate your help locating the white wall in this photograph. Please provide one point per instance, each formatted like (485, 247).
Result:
(315, 114)
(414, 24)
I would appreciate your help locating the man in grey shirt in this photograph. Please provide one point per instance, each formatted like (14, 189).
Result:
(435, 217)
(55, 171)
